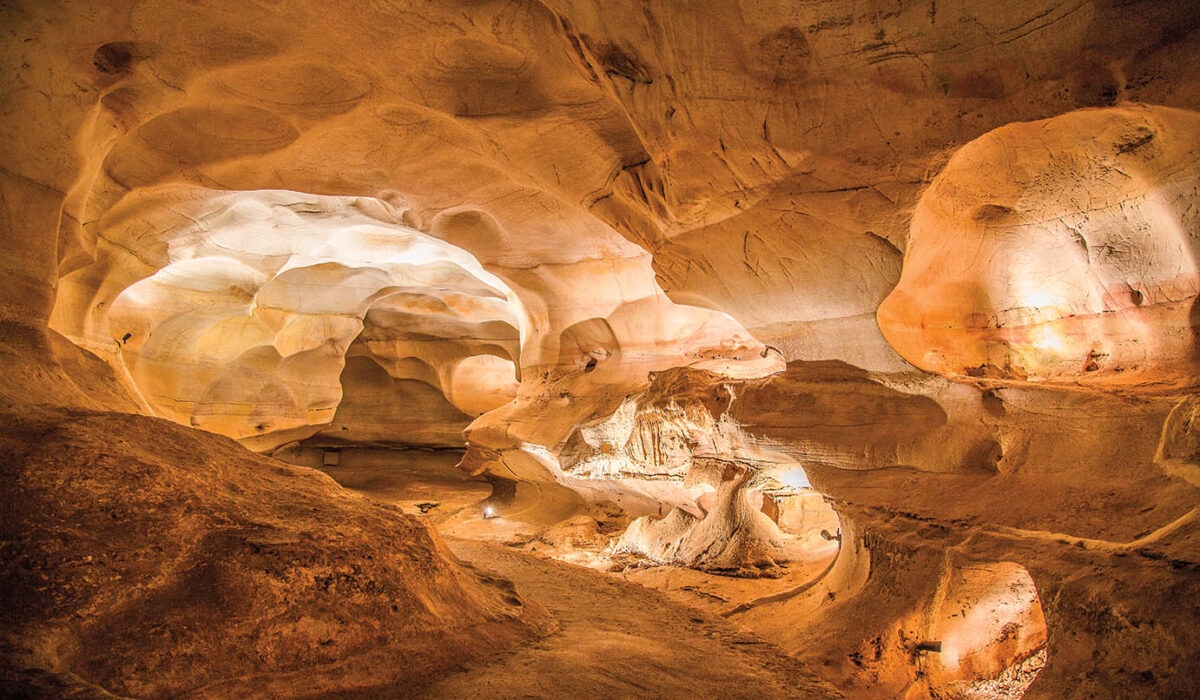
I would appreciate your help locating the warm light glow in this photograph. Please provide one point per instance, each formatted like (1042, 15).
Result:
(1045, 338)
(949, 657)
(794, 477)
(1039, 298)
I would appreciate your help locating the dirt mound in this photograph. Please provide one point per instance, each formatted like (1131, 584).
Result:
(144, 558)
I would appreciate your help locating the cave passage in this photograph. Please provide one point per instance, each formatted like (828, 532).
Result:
(600, 349)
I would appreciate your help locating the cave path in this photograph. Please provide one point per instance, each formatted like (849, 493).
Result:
(620, 640)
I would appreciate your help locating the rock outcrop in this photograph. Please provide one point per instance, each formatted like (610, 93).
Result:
(145, 559)
(1059, 250)
(237, 311)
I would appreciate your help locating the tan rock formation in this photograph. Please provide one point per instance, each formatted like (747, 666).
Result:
(1063, 249)
(732, 536)
(147, 560)
(939, 258)
(254, 300)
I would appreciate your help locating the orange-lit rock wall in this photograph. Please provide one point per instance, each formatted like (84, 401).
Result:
(1061, 250)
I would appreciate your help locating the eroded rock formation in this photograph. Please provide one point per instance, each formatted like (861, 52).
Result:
(239, 318)
(1062, 250)
(668, 260)
(166, 561)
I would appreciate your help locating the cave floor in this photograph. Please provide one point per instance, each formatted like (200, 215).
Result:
(619, 639)
(654, 632)
(411, 479)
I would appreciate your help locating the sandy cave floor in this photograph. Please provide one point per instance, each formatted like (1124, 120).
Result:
(626, 627)
(656, 631)
(618, 639)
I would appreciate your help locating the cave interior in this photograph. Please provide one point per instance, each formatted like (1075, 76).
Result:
(600, 348)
